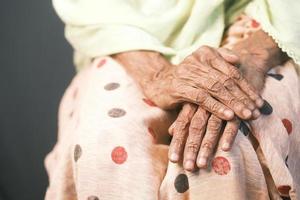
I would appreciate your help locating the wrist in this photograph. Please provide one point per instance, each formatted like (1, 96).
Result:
(259, 52)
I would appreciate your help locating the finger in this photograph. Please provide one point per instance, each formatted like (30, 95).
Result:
(220, 64)
(228, 55)
(231, 71)
(217, 90)
(209, 141)
(231, 86)
(229, 134)
(215, 81)
(196, 132)
(171, 128)
(180, 131)
(202, 98)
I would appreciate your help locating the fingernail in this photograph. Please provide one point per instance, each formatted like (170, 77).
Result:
(266, 109)
(256, 113)
(247, 113)
(228, 113)
(202, 162)
(226, 146)
(174, 157)
(259, 102)
(189, 165)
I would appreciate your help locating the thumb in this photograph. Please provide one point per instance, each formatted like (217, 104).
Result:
(229, 55)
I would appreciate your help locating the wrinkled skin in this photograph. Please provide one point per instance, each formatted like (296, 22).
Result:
(207, 78)
(196, 132)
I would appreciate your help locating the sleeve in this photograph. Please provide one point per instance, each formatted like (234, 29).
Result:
(103, 27)
(281, 20)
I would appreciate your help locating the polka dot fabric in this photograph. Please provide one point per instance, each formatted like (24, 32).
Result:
(221, 165)
(108, 144)
(119, 155)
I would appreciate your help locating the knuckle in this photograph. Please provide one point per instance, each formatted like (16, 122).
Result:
(245, 100)
(229, 84)
(181, 123)
(205, 48)
(230, 132)
(211, 104)
(193, 147)
(177, 142)
(207, 146)
(194, 128)
(205, 53)
(215, 87)
(214, 124)
(234, 73)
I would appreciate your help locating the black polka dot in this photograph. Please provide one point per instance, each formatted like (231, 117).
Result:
(77, 152)
(181, 183)
(111, 86)
(266, 109)
(244, 129)
(92, 198)
(116, 112)
(276, 76)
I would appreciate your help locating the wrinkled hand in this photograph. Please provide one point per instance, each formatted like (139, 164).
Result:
(197, 133)
(195, 136)
(205, 78)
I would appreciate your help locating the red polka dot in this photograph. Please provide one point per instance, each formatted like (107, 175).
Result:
(101, 63)
(149, 102)
(221, 165)
(254, 23)
(288, 125)
(119, 155)
(151, 131)
(284, 189)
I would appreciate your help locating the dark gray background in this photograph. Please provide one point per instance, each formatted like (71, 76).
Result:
(35, 68)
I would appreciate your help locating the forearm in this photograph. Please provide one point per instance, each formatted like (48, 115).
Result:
(143, 66)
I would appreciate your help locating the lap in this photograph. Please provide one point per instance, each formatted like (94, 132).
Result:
(110, 134)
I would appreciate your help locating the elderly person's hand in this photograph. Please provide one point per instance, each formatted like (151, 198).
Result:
(206, 79)
(196, 132)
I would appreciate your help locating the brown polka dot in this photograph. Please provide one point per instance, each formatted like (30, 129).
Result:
(116, 112)
(221, 165)
(181, 183)
(284, 190)
(77, 152)
(288, 125)
(111, 86)
(101, 63)
(92, 198)
(149, 102)
(119, 155)
(254, 23)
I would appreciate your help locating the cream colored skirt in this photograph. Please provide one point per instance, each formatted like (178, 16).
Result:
(113, 143)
